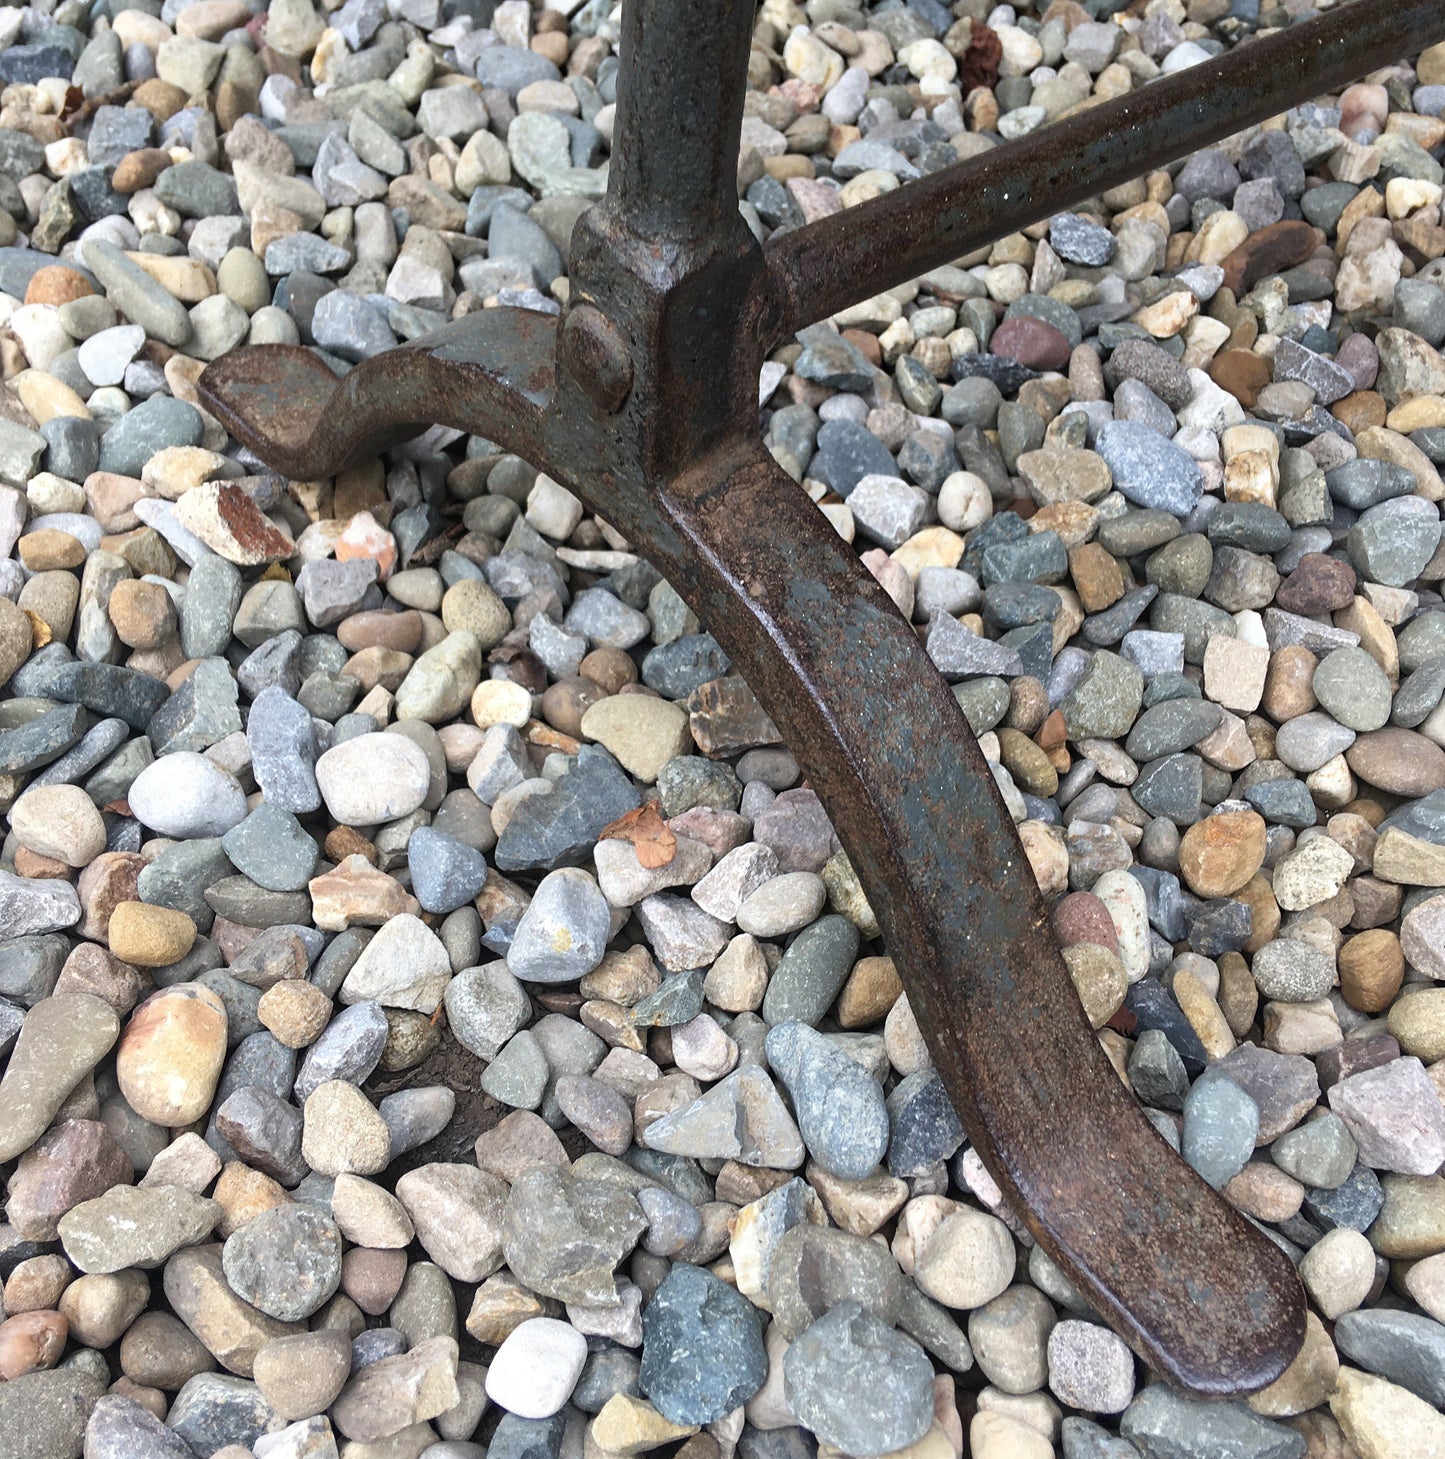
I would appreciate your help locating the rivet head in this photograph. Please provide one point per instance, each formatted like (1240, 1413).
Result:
(597, 356)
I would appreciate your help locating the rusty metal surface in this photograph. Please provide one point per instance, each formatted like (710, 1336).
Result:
(644, 404)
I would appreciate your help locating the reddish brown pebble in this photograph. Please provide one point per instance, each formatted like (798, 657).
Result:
(1220, 854)
(1097, 578)
(1360, 411)
(112, 878)
(1355, 1056)
(609, 667)
(1267, 251)
(566, 701)
(1083, 917)
(1031, 342)
(31, 1341)
(1289, 684)
(866, 343)
(1242, 373)
(91, 969)
(35, 867)
(1320, 584)
(344, 841)
(76, 1161)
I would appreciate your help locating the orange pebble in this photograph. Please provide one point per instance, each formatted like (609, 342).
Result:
(366, 537)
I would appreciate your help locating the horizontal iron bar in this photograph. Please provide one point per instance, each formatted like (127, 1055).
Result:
(820, 269)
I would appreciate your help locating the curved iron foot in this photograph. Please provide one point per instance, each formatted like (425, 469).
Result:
(1202, 1295)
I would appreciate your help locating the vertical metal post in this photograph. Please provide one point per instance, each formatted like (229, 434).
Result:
(679, 117)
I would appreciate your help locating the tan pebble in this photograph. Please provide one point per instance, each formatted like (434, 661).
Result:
(1258, 895)
(243, 1194)
(628, 1425)
(501, 701)
(1235, 672)
(49, 550)
(1307, 1382)
(471, 605)
(643, 732)
(112, 498)
(186, 279)
(295, 1011)
(357, 894)
(37, 1283)
(47, 398)
(139, 169)
(150, 936)
(1289, 684)
(1372, 968)
(302, 1375)
(1418, 1023)
(1168, 315)
(1265, 1192)
(16, 638)
(1099, 979)
(233, 1330)
(1384, 1421)
(343, 1131)
(59, 821)
(142, 613)
(1027, 763)
(174, 470)
(100, 1306)
(171, 1053)
(1238, 995)
(872, 989)
(500, 1306)
(1204, 1014)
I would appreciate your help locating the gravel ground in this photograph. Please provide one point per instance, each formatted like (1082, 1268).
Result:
(439, 1017)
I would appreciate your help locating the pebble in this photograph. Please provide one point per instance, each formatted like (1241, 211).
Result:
(839, 1106)
(171, 1054)
(130, 1226)
(536, 1368)
(373, 778)
(286, 1262)
(1221, 1123)
(967, 1261)
(343, 1132)
(1090, 1368)
(859, 1384)
(61, 1040)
